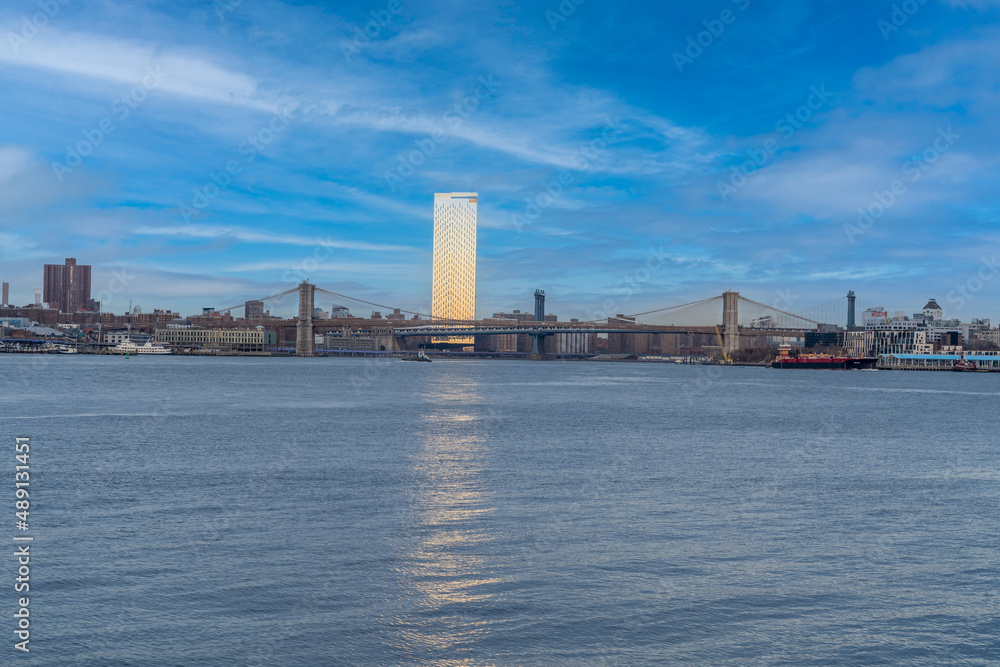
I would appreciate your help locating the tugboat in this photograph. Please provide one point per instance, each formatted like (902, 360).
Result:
(420, 357)
(963, 365)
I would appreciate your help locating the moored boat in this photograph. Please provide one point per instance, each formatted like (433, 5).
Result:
(820, 361)
(824, 361)
(128, 348)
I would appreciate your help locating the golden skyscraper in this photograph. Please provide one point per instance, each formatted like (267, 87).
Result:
(454, 281)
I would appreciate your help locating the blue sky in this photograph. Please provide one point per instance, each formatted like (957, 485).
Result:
(627, 155)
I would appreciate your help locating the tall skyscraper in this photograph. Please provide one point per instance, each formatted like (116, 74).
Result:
(67, 286)
(6, 295)
(454, 279)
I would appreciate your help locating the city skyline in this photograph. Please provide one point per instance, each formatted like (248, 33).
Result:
(60, 280)
(194, 162)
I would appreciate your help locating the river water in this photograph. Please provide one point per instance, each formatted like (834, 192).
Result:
(257, 511)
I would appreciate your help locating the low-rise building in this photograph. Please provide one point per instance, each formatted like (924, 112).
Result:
(345, 339)
(236, 340)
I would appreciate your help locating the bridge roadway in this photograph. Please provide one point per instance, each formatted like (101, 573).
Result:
(477, 330)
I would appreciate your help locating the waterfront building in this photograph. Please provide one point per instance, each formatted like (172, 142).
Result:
(237, 340)
(872, 342)
(67, 286)
(986, 361)
(346, 339)
(453, 290)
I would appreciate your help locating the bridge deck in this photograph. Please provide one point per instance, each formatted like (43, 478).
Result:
(554, 330)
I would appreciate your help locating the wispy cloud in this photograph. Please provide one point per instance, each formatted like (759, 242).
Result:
(95, 56)
(250, 236)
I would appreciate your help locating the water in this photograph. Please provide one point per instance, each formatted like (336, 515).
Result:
(243, 511)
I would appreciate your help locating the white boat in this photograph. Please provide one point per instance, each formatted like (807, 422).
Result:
(66, 349)
(128, 347)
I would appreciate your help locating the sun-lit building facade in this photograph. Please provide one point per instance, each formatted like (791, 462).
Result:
(454, 273)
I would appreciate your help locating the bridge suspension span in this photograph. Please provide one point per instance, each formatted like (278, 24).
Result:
(730, 314)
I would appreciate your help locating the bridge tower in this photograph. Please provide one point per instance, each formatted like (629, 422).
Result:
(731, 321)
(305, 341)
(538, 341)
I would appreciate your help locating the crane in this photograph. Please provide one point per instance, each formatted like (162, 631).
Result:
(722, 345)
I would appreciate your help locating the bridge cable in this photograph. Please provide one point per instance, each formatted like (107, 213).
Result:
(402, 310)
(778, 310)
(241, 305)
(683, 305)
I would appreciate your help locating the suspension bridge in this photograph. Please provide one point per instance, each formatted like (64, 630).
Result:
(734, 319)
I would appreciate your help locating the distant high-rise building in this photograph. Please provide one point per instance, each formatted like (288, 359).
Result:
(453, 294)
(67, 286)
(253, 310)
(6, 294)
